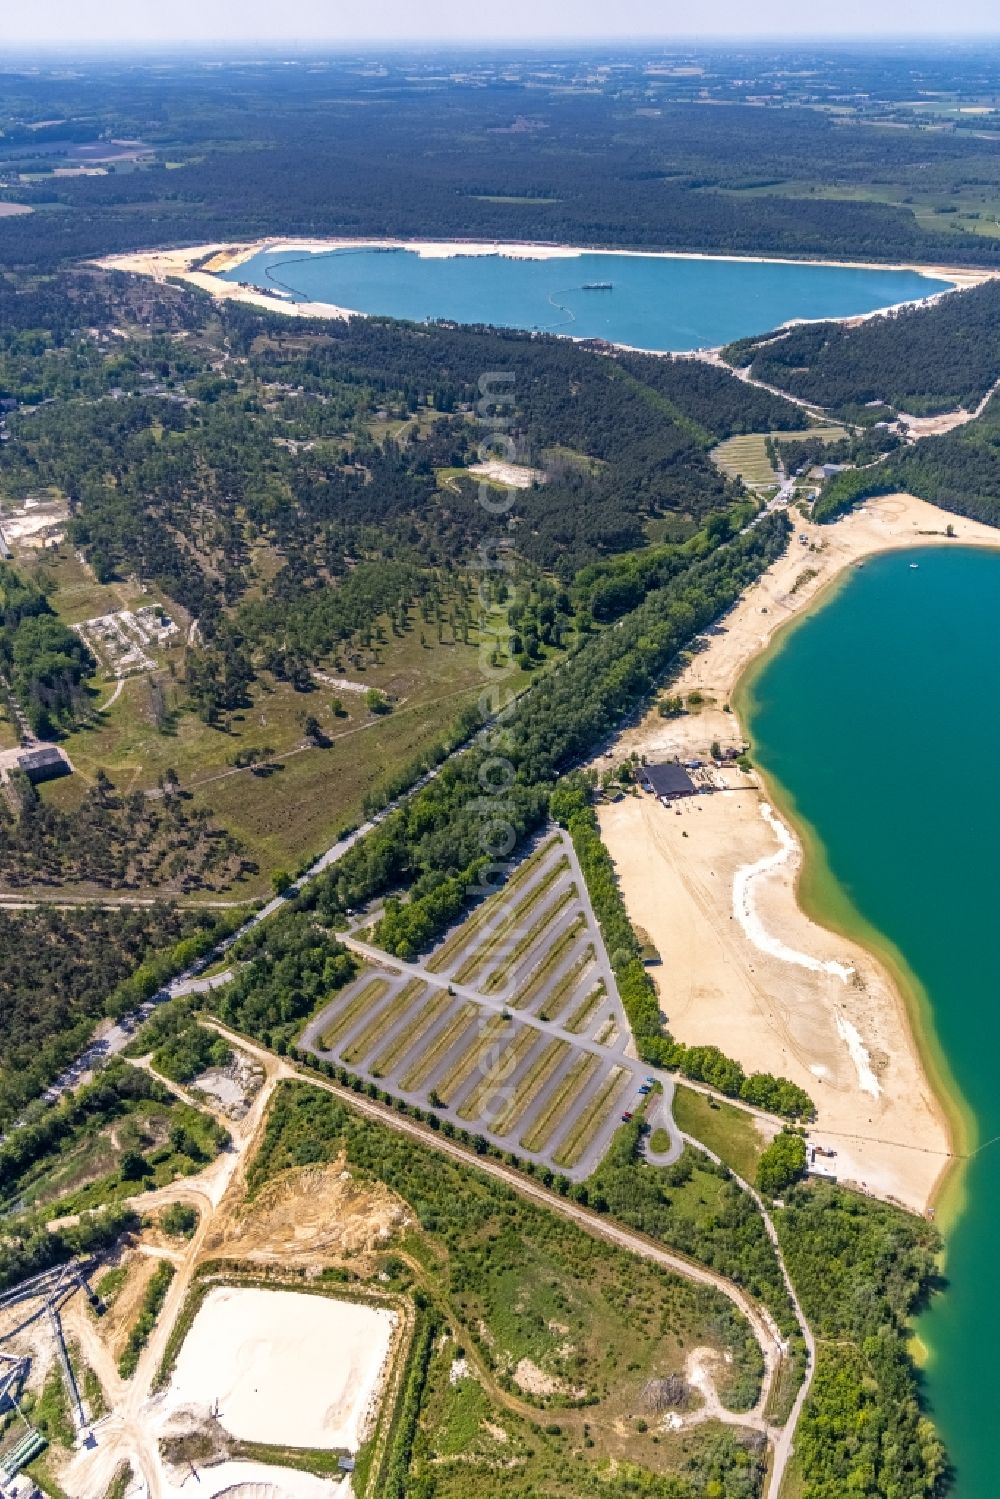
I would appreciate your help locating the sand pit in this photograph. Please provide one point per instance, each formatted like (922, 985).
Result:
(285, 1368)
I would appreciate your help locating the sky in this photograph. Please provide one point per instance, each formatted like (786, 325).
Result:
(175, 22)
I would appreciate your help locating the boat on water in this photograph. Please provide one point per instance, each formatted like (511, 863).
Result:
(914, 566)
(598, 286)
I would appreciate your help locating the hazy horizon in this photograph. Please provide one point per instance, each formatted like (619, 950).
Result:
(305, 24)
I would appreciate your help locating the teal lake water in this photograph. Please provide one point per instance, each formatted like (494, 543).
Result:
(879, 716)
(655, 303)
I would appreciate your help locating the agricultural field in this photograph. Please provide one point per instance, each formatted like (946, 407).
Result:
(512, 1027)
(746, 456)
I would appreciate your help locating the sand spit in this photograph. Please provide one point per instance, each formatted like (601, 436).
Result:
(213, 259)
(743, 966)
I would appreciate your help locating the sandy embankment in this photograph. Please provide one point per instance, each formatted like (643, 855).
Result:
(743, 966)
(221, 257)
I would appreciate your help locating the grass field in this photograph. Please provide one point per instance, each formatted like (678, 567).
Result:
(460, 938)
(425, 1015)
(8, 731)
(581, 1015)
(541, 1070)
(558, 996)
(553, 1336)
(494, 939)
(425, 1063)
(475, 1055)
(379, 1027)
(290, 811)
(494, 1089)
(730, 1132)
(499, 975)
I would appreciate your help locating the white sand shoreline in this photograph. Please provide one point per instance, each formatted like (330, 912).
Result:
(219, 257)
(745, 905)
(740, 984)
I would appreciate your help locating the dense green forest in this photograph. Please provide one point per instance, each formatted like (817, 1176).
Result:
(919, 359)
(859, 1268)
(629, 158)
(60, 970)
(282, 452)
(42, 662)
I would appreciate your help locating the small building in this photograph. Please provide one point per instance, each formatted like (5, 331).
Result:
(46, 763)
(669, 782)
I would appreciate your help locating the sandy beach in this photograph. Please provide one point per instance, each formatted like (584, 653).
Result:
(743, 966)
(219, 257)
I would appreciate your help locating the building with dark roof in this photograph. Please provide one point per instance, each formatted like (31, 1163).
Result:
(669, 782)
(46, 763)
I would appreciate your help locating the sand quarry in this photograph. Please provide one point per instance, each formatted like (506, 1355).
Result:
(284, 1367)
(743, 967)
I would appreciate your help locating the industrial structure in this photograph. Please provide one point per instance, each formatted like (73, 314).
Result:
(21, 1442)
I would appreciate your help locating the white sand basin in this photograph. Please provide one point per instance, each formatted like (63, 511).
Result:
(285, 1368)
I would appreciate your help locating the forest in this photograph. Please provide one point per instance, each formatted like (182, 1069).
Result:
(114, 841)
(860, 1267)
(434, 841)
(300, 494)
(958, 470)
(284, 462)
(42, 663)
(517, 155)
(60, 972)
(918, 359)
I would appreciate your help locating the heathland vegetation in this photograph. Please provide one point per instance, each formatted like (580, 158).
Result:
(555, 1320)
(309, 523)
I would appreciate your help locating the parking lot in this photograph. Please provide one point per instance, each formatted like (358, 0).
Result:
(512, 1027)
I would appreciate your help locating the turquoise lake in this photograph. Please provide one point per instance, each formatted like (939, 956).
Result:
(871, 716)
(655, 303)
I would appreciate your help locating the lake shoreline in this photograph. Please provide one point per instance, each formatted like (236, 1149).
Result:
(823, 900)
(716, 986)
(203, 266)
